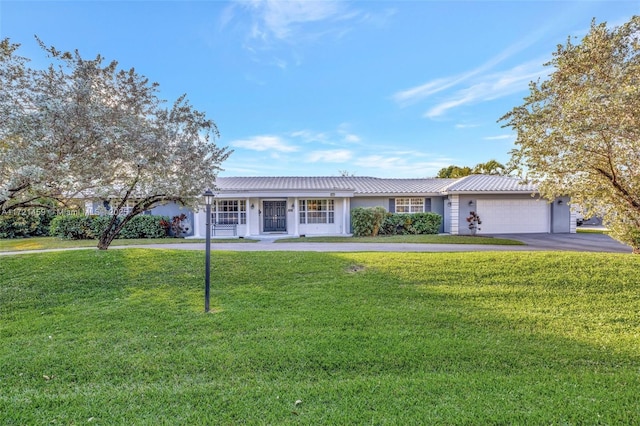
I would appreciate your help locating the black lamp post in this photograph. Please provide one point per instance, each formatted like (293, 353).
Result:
(208, 199)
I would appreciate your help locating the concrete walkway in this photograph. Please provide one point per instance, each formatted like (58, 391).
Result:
(534, 242)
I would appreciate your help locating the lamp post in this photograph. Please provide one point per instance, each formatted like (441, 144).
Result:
(208, 199)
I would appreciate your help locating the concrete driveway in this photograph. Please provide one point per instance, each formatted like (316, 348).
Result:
(570, 242)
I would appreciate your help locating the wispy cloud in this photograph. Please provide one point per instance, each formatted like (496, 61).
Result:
(330, 156)
(499, 137)
(284, 20)
(466, 126)
(490, 87)
(476, 84)
(264, 143)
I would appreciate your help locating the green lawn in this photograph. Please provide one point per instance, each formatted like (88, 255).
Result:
(119, 337)
(591, 230)
(417, 239)
(43, 243)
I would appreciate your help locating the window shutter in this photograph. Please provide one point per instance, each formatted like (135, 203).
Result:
(392, 205)
(427, 204)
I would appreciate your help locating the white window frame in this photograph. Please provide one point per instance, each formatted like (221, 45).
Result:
(316, 211)
(409, 205)
(229, 212)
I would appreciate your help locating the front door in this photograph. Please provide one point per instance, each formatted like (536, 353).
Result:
(275, 216)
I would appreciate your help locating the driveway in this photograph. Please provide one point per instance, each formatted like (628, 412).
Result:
(571, 242)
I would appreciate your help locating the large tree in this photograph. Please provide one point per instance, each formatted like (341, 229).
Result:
(578, 131)
(104, 135)
(20, 169)
(491, 167)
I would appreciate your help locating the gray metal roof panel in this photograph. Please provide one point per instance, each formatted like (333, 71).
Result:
(357, 184)
(491, 183)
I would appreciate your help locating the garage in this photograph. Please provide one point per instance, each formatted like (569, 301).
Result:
(513, 216)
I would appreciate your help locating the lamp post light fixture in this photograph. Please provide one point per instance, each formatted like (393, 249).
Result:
(208, 199)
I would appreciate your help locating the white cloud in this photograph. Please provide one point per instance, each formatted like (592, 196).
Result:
(282, 20)
(264, 143)
(398, 166)
(490, 87)
(330, 156)
(351, 138)
(423, 91)
(499, 137)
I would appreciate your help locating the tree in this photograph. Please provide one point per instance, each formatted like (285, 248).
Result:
(106, 136)
(20, 167)
(491, 167)
(454, 172)
(579, 130)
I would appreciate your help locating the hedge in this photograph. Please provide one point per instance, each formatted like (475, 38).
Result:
(88, 227)
(411, 223)
(367, 221)
(23, 224)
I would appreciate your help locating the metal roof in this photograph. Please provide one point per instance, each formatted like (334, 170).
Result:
(359, 185)
(491, 183)
(363, 185)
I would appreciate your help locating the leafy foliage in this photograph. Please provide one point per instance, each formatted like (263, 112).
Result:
(367, 221)
(579, 130)
(411, 223)
(80, 227)
(86, 129)
(23, 224)
(491, 167)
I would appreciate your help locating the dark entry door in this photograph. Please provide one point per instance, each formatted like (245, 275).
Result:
(275, 216)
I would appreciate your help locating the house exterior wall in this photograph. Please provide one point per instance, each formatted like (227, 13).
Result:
(561, 216)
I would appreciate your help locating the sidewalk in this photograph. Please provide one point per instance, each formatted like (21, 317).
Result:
(534, 242)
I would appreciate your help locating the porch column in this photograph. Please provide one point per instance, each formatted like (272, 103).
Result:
(296, 217)
(247, 212)
(345, 215)
(455, 213)
(196, 224)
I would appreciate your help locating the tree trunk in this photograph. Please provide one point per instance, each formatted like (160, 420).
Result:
(105, 240)
(636, 250)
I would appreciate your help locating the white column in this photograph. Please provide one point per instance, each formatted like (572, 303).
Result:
(247, 212)
(345, 215)
(455, 213)
(296, 217)
(196, 224)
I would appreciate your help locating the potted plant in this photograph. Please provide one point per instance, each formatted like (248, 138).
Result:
(474, 222)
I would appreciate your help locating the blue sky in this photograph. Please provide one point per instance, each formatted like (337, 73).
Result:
(302, 88)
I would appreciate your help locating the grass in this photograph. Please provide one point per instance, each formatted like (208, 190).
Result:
(43, 243)
(417, 239)
(119, 337)
(591, 230)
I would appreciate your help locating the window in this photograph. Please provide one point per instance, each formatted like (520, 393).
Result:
(409, 205)
(316, 211)
(229, 212)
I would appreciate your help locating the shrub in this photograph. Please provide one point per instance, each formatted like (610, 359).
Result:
(89, 227)
(145, 226)
(24, 224)
(72, 227)
(411, 223)
(367, 221)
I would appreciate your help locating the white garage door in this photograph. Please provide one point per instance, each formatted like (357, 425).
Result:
(513, 216)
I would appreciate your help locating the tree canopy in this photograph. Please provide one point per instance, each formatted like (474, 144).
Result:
(578, 132)
(86, 130)
(491, 167)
